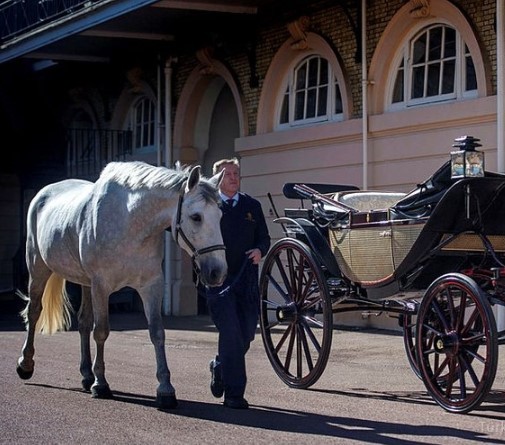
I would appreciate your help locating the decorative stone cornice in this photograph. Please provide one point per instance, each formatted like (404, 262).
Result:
(298, 30)
(135, 77)
(206, 58)
(420, 8)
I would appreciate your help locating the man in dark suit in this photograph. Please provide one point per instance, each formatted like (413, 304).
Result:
(234, 308)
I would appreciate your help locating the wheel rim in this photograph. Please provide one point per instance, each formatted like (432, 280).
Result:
(456, 343)
(296, 317)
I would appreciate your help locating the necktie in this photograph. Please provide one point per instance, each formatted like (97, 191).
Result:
(229, 203)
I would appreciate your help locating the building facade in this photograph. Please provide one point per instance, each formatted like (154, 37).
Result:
(369, 93)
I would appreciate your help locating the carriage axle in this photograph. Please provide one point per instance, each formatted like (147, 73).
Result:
(287, 313)
(448, 344)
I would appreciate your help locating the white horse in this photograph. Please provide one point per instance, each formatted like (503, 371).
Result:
(105, 236)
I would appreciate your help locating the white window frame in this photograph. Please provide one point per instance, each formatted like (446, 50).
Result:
(146, 125)
(288, 89)
(405, 55)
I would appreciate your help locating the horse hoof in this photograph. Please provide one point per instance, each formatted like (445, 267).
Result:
(166, 401)
(86, 384)
(23, 373)
(101, 392)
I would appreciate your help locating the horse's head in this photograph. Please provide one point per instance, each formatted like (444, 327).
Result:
(197, 226)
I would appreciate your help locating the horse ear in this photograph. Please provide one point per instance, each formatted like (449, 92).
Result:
(193, 179)
(217, 178)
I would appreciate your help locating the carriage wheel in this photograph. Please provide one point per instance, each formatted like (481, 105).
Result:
(456, 343)
(296, 317)
(408, 323)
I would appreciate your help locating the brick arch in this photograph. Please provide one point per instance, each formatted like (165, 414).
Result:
(194, 108)
(285, 60)
(403, 26)
(127, 97)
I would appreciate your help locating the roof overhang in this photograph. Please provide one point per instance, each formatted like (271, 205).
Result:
(92, 33)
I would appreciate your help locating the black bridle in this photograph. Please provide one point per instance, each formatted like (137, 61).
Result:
(195, 253)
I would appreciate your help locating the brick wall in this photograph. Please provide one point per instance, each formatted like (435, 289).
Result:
(333, 24)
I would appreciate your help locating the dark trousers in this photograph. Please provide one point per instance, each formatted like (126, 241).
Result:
(236, 318)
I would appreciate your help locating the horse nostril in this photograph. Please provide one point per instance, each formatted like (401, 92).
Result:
(215, 275)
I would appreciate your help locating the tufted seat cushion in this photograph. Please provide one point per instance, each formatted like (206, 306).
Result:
(364, 201)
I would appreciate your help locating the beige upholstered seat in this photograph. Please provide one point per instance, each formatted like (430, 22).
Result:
(364, 201)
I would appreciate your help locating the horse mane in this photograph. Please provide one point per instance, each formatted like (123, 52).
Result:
(137, 175)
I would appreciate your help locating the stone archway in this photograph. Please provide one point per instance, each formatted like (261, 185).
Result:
(210, 104)
(210, 115)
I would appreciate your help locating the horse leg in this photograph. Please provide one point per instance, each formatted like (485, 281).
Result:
(152, 299)
(31, 314)
(100, 302)
(85, 320)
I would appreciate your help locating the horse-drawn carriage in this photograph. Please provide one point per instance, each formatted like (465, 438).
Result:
(434, 258)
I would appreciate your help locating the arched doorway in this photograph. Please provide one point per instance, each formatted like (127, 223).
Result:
(209, 117)
(223, 130)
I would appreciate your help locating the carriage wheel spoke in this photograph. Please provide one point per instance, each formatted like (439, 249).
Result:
(474, 354)
(467, 365)
(313, 321)
(472, 318)
(449, 380)
(311, 335)
(460, 321)
(305, 345)
(287, 333)
(431, 330)
(440, 314)
(292, 264)
(279, 289)
(289, 349)
(285, 279)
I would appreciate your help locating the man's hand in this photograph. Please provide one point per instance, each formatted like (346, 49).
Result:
(254, 255)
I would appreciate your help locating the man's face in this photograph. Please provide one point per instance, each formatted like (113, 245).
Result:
(231, 180)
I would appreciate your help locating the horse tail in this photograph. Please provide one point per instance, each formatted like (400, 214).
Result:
(56, 307)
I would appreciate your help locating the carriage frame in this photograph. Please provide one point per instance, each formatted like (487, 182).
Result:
(433, 258)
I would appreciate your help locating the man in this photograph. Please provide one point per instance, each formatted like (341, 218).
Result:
(234, 308)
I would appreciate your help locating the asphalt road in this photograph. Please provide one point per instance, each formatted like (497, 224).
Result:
(367, 394)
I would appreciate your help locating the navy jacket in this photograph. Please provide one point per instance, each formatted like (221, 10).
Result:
(243, 228)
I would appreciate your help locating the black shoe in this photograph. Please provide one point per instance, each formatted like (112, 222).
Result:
(236, 403)
(216, 381)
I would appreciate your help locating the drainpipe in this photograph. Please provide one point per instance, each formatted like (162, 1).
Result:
(500, 113)
(159, 124)
(168, 298)
(364, 94)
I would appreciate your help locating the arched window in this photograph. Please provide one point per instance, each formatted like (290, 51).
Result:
(312, 94)
(435, 65)
(142, 124)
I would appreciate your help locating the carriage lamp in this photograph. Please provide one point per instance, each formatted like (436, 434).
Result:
(467, 162)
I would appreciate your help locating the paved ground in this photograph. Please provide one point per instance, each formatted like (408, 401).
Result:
(367, 394)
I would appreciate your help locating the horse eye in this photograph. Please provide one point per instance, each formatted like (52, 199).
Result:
(196, 218)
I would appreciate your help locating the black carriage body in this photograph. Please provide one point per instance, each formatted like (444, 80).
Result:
(403, 246)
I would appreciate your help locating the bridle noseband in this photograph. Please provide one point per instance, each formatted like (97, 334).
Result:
(195, 253)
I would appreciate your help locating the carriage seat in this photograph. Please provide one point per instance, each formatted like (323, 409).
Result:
(365, 201)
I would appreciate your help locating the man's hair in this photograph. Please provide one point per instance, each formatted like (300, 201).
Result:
(218, 165)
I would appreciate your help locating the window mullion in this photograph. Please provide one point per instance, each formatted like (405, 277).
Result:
(306, 90)
(460, 66)
(292, 97)
(426, 65)
(443, 52)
